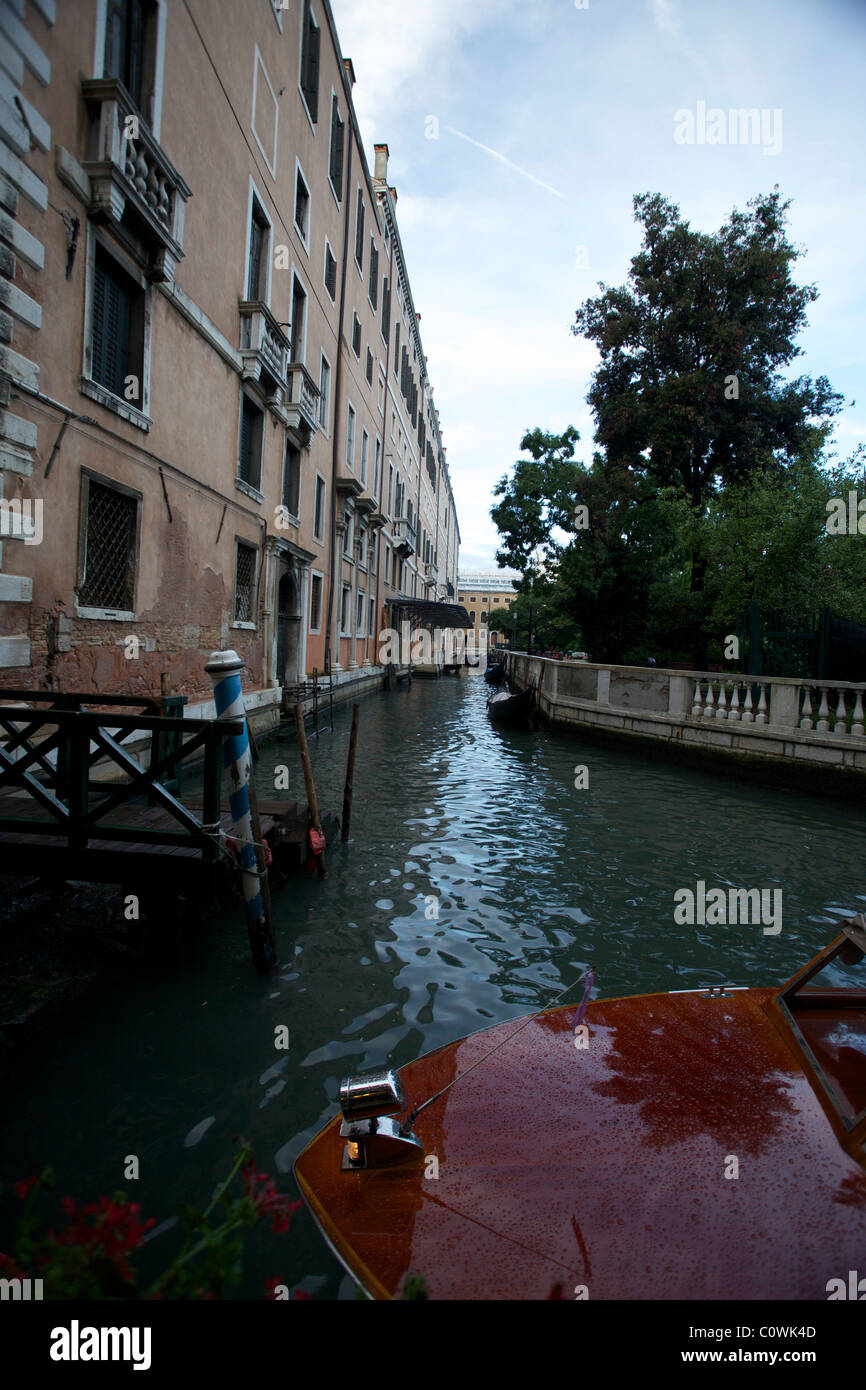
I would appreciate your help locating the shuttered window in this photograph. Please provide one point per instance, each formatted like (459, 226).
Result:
(310, 64)
(359, 230)
(386, 308)
(250, 445)
(257, 268)
(374, 274)
(292, 480)
(117, 335)
(356, 335)
(330, 272)
(338, 133)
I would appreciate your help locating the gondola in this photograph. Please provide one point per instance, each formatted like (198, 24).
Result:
(495, 673)
(507, 708)
(702, 1144)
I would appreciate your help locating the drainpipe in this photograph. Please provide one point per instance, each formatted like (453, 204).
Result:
(338, 385)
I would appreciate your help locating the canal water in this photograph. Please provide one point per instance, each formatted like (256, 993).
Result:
(478, 882)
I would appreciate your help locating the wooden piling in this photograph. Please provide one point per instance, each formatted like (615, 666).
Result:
(350, 774)
(312, 799)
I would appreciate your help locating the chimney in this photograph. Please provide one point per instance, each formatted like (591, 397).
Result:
(382, 153)
(350, 71)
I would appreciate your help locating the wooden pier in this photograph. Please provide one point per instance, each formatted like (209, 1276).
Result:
(76, 802)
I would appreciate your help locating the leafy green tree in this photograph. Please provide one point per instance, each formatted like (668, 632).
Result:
(689, 391)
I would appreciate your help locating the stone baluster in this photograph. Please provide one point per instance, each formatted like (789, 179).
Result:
(709, 710)
(734, 711)
(823, 724)
(697, 703)
(152, 187)
(841, 716)
(748, 712)
(806, 716)
(857, 726)
(163, 208)
(761, 716)
(722, 709)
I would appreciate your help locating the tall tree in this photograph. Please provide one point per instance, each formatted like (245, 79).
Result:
(689, 390)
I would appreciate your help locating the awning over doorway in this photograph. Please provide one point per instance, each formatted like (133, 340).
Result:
(428, 612)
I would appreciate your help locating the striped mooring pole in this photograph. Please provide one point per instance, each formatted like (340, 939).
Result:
(224, 669)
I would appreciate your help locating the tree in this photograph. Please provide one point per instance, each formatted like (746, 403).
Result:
(689, 392)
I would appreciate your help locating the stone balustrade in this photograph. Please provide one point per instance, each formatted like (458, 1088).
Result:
(132, 179)
(766, 717)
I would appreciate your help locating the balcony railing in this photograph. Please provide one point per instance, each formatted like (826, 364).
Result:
(264, 345)
(302, 401)
(404, 535)
(131, 178)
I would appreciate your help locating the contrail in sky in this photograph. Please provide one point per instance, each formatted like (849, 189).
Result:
(507, 162)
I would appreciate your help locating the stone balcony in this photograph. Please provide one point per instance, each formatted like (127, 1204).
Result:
(404, 536)
(302, 403)
(132, 180)
(264, 349)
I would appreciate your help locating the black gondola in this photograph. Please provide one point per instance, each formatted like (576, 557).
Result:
(507, 708)
(495, 673)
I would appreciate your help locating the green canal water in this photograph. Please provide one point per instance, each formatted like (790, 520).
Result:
(532, 881)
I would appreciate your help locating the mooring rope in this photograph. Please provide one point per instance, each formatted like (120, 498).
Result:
(588, 975)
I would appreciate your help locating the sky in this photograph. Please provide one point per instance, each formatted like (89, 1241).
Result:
(520, 131)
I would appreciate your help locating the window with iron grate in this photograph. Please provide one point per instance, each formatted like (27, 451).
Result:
(250, 444)
(110, 543)
(245, 583)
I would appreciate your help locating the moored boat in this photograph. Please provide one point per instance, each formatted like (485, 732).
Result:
(705, 1144)
(495, 673)
(508, 708)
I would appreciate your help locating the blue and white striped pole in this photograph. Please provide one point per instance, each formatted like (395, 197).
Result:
(224, 669)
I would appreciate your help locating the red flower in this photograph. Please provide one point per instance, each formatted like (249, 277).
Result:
(23, 1187)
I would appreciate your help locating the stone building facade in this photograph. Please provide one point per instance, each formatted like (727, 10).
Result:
(217, 427)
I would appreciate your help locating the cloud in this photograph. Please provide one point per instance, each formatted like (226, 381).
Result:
(665, 17)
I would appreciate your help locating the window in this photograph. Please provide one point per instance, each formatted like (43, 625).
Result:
(362, 547)
(359, 230)
(386, 308)
(345, 611)
(315, 603)
(299, 312)
(348, 533)
(291, 497)
(319, 515)
(472, 615)
(245, 583)
(250, 444)
(484, 617)
(330, 271)
(396, 349)
(257, 264)
(356, 335)
(373, 289)
(117, 331)
(310, 63)
(359, 624)
(369, 367)
(372, 550)
(372, 629)
(365, 448)
(377, 472)
(335, 166)
(324, 392)
(109, 546)
(381, 393)
(350, 438)
(302, 206)
(130, 49)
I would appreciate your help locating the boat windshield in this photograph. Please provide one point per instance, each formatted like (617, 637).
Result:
(825, 1008)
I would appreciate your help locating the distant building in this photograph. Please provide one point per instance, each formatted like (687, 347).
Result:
(483, 592)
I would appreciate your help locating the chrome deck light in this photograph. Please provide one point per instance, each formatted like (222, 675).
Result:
(368, 1100)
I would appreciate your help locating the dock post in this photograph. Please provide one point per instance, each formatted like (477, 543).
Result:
(224, 669)
(312, 799)
(350, 774)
